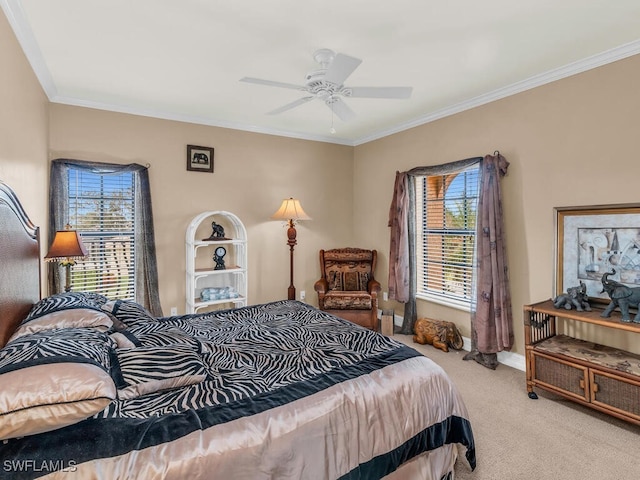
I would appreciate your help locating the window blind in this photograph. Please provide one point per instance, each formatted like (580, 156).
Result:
(102, 209)
(446, 221)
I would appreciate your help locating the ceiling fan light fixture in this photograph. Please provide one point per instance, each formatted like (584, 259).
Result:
(327, 84)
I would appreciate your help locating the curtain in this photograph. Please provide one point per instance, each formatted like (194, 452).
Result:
(402, 249)
(491, 316)
(146, 264)
(399, 242)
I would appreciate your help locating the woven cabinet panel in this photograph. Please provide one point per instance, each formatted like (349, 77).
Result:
(561, 375)
(616, 393)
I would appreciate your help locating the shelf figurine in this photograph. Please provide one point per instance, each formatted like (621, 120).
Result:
(575, 297)
(621, 296)
(218, 257)
(217, 233)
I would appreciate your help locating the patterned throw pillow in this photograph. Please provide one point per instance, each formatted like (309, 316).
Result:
(335, 280)
(147, 370)
(348, 281)
(128, 312)
(354, 281)
(66, 301)
(66, 310)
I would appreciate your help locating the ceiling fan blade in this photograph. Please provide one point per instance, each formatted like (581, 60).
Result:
(291, 105)
(379, 92)
(340, 68)
(341, 109)
(271, 83)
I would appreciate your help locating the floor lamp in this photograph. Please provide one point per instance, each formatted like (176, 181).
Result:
(291, 211)
(65, 249)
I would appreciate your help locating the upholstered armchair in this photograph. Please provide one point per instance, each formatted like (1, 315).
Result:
(347, 288)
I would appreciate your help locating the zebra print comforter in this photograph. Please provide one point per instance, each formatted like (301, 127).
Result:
(280, 390)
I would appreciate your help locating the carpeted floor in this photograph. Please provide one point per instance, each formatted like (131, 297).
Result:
(545, 439)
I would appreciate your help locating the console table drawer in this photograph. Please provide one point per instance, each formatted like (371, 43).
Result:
(613, 392)
(556, 374)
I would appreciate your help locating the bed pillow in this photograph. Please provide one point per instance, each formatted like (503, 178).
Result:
(72, 318)
(143, 364)
(71, 344)
(54, 378)
(66, 301)
(150, 369)
(46, 397)
(128, 312)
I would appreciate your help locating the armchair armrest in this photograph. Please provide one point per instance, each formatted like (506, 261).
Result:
(321, 286)
(374, 287)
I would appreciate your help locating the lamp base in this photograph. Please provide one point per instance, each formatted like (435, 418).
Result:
(67, 284)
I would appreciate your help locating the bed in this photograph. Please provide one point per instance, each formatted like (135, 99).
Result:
(98, 388)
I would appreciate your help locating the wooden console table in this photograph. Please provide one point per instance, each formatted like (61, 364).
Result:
(598, 376)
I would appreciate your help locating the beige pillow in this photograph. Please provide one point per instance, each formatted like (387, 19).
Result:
(49, 396)
(72, 318)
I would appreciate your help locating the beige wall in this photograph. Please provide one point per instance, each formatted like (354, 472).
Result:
(23, 128)
(571, 142)
(253, 173)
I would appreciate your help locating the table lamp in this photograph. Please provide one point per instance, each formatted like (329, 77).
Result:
(65, 249)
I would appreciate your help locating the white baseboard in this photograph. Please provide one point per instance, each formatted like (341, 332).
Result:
(510, 359)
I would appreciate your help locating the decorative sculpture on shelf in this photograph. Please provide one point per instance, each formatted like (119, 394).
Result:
(621, 296)
(217, 233)
(575, 297)
(218, 257)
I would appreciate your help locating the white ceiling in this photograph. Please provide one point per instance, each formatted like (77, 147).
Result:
(183, 59)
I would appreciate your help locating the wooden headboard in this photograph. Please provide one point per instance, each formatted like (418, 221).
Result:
(19, 263)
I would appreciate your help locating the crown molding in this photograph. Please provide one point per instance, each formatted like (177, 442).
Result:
(145, 112)
(589, 63)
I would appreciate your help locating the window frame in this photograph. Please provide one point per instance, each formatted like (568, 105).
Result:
(471, 193)
(97, 241)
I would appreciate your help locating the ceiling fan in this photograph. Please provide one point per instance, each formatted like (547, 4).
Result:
(327, 84)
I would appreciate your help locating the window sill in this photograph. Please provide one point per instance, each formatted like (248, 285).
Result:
(458, 305)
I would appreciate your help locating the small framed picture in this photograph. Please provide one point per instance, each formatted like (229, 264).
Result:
(199, 159)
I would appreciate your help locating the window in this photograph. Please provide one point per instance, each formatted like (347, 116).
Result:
(446, 207)
(102, 208)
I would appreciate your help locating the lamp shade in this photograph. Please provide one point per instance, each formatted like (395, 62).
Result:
(290, 210)
(66, 244)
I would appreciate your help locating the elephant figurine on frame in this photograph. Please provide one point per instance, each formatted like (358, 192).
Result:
(575, 297)
(621, 296)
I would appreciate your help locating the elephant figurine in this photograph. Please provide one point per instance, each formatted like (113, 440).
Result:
(575, 297)
(438, 333)
(621, 296)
